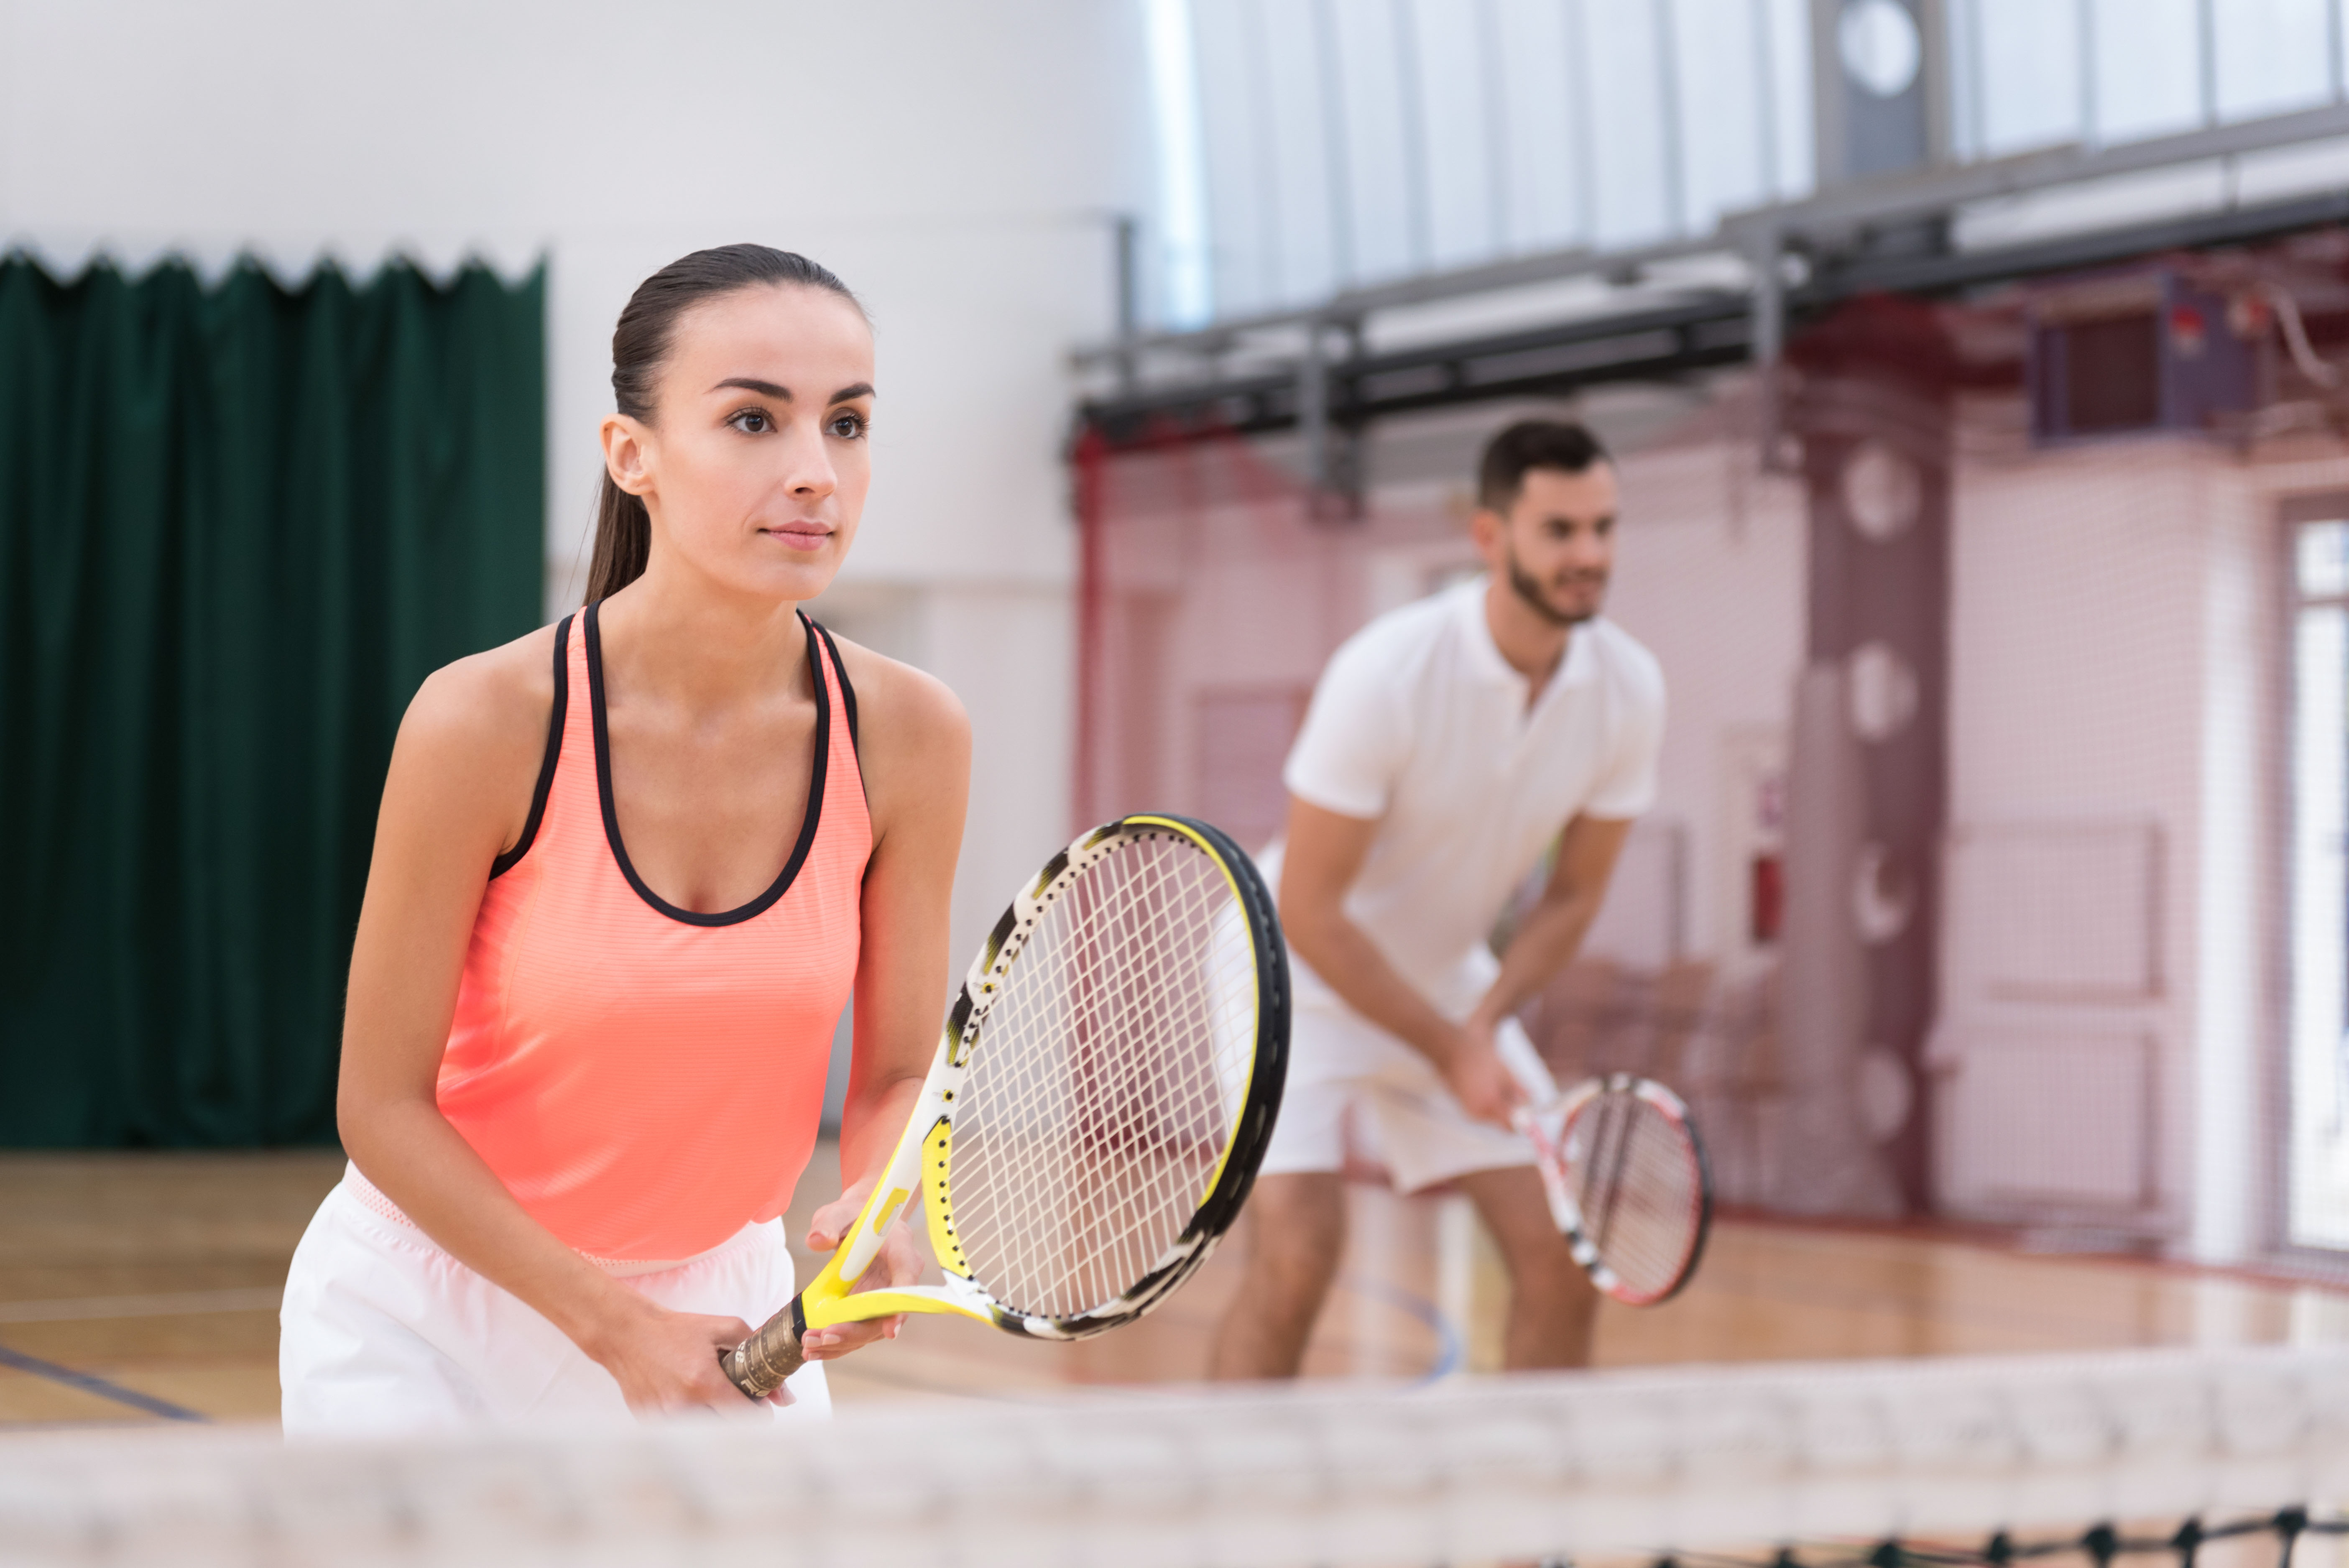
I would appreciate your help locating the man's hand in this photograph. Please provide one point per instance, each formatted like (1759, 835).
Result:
(899, 1262)
(1476, 1075)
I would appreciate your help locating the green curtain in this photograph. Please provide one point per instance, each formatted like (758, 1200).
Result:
(238, 526)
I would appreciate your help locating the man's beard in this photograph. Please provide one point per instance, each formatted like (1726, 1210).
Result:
(1529, 590)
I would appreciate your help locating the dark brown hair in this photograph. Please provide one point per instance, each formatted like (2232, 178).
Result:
(623, 530)
(1530, 444)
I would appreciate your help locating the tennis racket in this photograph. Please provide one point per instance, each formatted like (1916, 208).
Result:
(1102, 1095)
(1624, 1170)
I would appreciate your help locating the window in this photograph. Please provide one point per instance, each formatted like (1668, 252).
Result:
(2318, 1171)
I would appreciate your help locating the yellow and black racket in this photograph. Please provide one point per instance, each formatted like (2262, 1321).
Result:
(1102, 1095)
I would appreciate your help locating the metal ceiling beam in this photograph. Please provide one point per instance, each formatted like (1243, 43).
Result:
(1817, 222)
(1350, 307)
(1707, 329)
(1702, 330)
(1868, 203)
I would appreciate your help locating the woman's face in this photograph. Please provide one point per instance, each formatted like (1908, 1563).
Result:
(755, 466)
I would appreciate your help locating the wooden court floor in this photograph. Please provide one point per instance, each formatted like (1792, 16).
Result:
(143, 1288)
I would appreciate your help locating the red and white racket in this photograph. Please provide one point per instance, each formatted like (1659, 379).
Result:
(1624, 1170)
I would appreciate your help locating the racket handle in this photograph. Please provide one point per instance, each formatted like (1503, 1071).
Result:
(1524, 1063)
(759, 1363)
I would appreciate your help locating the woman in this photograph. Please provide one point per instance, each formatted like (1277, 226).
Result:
(626, 871)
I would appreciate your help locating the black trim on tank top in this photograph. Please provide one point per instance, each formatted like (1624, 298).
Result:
(814, 815)
(512, 857)
(847, 691)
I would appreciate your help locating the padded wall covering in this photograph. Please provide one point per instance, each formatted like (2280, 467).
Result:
(238, 526)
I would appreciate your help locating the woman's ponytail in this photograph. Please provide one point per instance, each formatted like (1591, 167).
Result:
(624, 539)
(624, 529)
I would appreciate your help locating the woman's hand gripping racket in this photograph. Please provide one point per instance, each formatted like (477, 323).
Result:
(1101, 1097)
(1625, 1172)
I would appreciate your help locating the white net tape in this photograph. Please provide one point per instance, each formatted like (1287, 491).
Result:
(1106, 1080)
(1703, 1459)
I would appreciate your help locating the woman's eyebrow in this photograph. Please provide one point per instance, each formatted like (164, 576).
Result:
(752, 384)
(849, 393)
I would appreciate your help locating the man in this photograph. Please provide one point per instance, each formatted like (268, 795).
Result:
(1448, 744)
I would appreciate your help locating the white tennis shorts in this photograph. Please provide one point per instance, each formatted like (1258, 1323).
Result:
(1354, 1089)
(382, 1333)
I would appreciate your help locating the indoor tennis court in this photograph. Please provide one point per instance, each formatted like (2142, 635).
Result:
(1973, 378)
(143, 1289)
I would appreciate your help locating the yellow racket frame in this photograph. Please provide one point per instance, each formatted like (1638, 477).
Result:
(922, 1163)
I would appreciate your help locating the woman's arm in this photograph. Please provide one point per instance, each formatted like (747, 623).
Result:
(914, 753)
(458, 792)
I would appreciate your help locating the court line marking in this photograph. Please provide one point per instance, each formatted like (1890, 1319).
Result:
(91, 1383)
(172, 1304)
(11, 1427)
(1450, 1354)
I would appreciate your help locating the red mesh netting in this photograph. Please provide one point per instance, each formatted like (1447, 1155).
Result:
(1998, 871)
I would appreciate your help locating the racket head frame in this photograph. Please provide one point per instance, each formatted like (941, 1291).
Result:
(1259, 1104)
(922, 1162)
(1546, 1126)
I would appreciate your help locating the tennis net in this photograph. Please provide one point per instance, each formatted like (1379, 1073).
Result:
(2195, 1458)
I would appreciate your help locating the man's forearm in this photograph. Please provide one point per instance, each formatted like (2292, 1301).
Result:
(1544, 944)
(1342, 955)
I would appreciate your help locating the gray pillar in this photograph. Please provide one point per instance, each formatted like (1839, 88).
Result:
(1871, 748)
(1826, 1163)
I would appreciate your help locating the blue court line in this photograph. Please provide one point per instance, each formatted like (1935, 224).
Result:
(90, 1382)
(1449, 1352)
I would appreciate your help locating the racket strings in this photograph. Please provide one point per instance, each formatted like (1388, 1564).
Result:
(1641, 1192)
(1094, 1192)
(1133, 1223)
(1105, 1080)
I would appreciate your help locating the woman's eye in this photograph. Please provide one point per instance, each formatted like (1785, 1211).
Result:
(751, 421)
(848, 427)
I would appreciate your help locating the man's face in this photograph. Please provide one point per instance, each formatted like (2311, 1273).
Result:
(1556, 543)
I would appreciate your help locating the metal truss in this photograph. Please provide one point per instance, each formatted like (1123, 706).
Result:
(1276, 371)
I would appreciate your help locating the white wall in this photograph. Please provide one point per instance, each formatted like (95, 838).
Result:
(1709, 575)
(956, 164)
(2116, 702)
(2078, 653)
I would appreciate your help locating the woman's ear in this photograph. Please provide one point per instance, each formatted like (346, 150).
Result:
(627, 454)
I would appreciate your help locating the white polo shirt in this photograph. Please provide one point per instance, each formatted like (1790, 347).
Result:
(1419, 722)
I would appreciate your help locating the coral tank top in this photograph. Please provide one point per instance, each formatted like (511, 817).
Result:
(646, 1080)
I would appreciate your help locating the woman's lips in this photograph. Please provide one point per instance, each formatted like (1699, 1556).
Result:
(800, 538)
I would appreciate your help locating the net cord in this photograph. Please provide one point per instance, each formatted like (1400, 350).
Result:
(1700, 1462)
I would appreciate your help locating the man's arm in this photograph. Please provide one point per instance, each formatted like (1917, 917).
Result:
(1547, 938)
(1324, 856)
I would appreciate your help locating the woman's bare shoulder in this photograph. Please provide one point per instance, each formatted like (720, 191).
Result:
(899, 709)
(913, 748)
(488, 710)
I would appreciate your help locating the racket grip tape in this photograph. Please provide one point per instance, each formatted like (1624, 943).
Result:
(759, 1363)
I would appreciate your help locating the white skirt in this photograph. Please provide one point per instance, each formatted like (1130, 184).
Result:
(382, 1333)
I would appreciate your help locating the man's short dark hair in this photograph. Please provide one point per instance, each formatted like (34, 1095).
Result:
(1529, 444)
